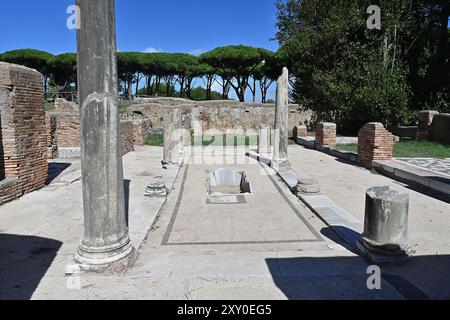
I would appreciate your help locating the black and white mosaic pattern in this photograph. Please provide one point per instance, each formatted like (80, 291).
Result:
(437, 165)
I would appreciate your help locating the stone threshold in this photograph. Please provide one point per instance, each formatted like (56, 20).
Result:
(310, 143)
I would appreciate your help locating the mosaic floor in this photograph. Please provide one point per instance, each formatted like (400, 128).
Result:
(437, 165)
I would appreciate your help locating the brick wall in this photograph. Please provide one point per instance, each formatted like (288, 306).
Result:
(23, 134)
(374, 143)
(127, 131)
(326, 134)
(141, 131)
(63, 137)
(67, 134)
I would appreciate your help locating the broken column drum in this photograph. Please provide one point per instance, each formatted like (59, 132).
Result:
(386, 222)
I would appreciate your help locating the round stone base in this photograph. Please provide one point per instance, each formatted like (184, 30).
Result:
(117, 260)
(383, 257)
(307, 186)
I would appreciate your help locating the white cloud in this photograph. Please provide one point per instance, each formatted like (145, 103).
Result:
(152, 50)
(196, 52)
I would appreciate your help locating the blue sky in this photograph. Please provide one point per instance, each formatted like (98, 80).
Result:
(171, 25)
(191, 26)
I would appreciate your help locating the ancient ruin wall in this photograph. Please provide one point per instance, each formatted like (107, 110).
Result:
(440, 128)
(63, 139)
(221, 115)
(23, 134)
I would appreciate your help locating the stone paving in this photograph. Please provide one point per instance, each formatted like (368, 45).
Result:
(269, 247)
(438, 165)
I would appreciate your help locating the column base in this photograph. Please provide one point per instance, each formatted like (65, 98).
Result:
(116, 260)
(383, 257)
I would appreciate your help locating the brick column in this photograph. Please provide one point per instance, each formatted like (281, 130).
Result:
(301, 132)
(23, 144)
(326, 134)
(141, 132)
(127, 136)
(425, 121)
(374, 143)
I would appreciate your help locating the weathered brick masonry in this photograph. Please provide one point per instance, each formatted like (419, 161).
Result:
(127, 130)
(326, 134)
(374, 143)
(23, 148)
(141, 131)
(63, 132)
(301, 131)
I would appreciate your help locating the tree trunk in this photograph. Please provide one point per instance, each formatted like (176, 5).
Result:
(130, 88)
(254, 90)
(149, 82)
(158, 86)
(137, 87)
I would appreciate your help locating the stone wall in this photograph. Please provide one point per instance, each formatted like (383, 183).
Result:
(440, 128)
(23, 148)
(221, 115)
(326, 134)
(374, 143)
(434, 126)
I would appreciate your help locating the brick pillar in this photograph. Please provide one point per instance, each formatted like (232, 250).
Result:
(127, 136)
(425, 121)
(24, 137)
(326, 134)
(374, 143)
(141, 132)
(301, 132)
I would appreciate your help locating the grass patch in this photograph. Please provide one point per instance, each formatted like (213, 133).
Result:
(411, 149)
(421, 149)
(348, 147)
(155, 140)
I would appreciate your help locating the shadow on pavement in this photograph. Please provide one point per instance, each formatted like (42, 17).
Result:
(55, 169)
(24, 260)
(345, 278)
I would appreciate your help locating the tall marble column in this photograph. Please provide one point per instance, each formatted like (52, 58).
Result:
(106, 239)
(282, 116)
